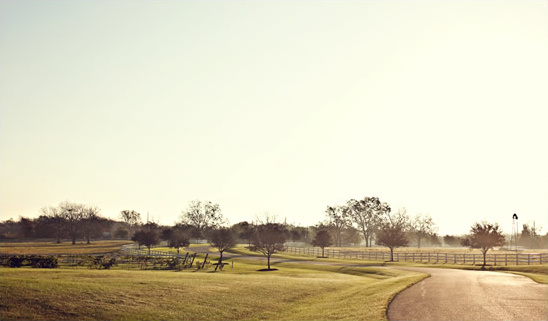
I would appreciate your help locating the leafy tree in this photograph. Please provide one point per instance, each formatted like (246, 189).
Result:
(529, 237)
(244, 231)
(422, 226)
(131, 218)
(177, 238)
(338, 220)
(203, 216)
(322, 239)
(367, 215)
(121, 233)
(451, 240)
(26, 228)
(223, 239)
(484, 236)
(146, 237)
(392, 232)
(269, 238)
(350, 235)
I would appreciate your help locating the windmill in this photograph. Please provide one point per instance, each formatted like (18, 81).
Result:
(514, 236)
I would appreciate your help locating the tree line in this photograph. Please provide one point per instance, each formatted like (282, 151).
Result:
(368, 221)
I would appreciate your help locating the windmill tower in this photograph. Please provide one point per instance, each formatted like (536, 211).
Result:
(514, 236)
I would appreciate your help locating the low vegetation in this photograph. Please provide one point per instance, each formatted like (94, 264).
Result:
(294, 292)
(51, 248)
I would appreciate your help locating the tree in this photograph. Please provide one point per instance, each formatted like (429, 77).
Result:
(392, 231)
(203, 216)
(244, 231)
(26, 228)
(322, 239)
(529, 237)
(269, 238)
(484, 236)
(131, 218)
(337, 218)
(147, 237)
(451, 240)
(367, 215)
(422, 227)
(54, 219)
(177, 237)
(223, 239)
(121, 233)
(73, 214)
(91, 223)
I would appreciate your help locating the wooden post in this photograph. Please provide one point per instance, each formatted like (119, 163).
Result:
(495, 263)
(529, 259)
(517, 259)
(203, 264)
(454, 258)
(192, 261)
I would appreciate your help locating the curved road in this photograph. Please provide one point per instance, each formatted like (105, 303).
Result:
(470, 295)
(451, 294)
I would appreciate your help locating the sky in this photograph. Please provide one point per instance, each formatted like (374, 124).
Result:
(278, 107)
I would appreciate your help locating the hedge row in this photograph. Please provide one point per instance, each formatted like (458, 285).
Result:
(36, 261)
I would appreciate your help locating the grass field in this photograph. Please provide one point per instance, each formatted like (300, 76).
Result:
(297, 291)
(294, 292)
(62, 248)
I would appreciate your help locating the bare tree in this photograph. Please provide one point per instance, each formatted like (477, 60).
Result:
(322, 239)
(269, 238)
(132, 220)
(422, 226)
(367, 215)
(91, 223)
(54, 219)
(392, 231)
(484, 236)
(203, 216)
(337, 218)
(73, 215)
(223, 239)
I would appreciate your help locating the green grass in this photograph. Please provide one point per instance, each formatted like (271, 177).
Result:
(62, 248)
(294, 292)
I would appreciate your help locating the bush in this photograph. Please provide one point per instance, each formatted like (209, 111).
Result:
(35, 261)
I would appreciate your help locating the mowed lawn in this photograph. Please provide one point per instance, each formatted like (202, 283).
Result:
(80, 247)
(242, 293)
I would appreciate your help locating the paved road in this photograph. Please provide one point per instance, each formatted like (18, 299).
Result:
(471, 295)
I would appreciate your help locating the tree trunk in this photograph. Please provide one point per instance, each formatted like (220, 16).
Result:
(391, 254)
(484, 254)
(323, 252)
(268, 258)
(221, 258)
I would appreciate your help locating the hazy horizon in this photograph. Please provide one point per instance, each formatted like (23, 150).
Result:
(276, 106)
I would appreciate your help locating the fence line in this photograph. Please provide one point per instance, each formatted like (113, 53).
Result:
(436, 257)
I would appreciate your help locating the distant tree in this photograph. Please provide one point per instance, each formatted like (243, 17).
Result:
(132, 219)
(298, 233)
(244, 231)
(484, 236)
(269, 238)
(223, 239)
(451, 240)
(73, 214)
(146, 237)
(121, 233)
(53, 218)
(322, 239)
(26, 228)
(350, 236)
(91, 223)
(367, 215)
(177, 238)
(392, 231)
(422, 227)
(203, 216)
(434, 239)
(529, 237)
(338, 220)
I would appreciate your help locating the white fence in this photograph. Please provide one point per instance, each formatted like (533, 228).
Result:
(432, 257)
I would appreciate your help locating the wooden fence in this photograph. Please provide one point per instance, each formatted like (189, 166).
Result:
(450, 258)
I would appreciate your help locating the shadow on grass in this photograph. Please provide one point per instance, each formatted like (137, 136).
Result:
(266, 270)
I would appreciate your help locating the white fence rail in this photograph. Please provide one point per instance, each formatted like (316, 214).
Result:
(432, 257)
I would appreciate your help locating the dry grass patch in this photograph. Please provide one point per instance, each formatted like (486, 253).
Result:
(62, 248)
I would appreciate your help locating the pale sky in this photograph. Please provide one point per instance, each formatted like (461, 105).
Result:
(283, 107)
